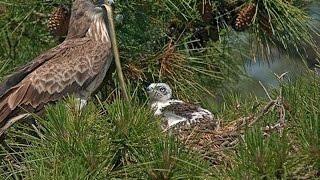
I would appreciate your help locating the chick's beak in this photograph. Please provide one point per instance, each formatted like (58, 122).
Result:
(149, 89)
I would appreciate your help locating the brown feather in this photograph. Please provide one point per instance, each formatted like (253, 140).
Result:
(81, 77)
(16, 97)
(182, 109)
(5, 111)
(22, 72)
(76, 64)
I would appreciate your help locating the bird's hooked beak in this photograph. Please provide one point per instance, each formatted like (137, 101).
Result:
(105, 2)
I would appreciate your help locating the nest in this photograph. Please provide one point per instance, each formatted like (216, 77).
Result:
(212, 144)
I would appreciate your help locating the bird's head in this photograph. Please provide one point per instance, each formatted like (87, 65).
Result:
(159, 92)
(79, 7)
(83, 14)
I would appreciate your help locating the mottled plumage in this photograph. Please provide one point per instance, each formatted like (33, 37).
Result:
(76, 66)
(178, 114)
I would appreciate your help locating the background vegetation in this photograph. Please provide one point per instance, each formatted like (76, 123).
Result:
(200, 48)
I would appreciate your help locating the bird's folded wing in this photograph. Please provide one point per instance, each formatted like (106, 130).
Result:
(181, 109)
(70, 70)
(195, 116)
(22, 72)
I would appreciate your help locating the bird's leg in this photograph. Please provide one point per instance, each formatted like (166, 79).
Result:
(82, 103)
(79, 104)
(81, 100)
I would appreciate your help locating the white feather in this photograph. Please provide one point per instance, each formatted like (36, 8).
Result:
(98, 29)
(202, 113)
(173, 119)
(157, 106)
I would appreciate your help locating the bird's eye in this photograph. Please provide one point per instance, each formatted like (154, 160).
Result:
(110, 2)
(162, 89)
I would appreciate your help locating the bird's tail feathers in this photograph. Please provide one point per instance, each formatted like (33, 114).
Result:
(9, 102)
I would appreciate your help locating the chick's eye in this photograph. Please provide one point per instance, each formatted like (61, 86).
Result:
(162, 89)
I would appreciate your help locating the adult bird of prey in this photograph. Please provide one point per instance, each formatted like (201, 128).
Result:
(178, 114)
(76, 66)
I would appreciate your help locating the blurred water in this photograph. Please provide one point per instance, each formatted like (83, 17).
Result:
(264, 71)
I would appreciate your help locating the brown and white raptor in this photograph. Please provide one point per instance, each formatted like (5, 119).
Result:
(76, 66)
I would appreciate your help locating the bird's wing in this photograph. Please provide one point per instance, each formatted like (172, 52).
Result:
(55, 75)
(21, 73)
(181, 109)
(194, 115)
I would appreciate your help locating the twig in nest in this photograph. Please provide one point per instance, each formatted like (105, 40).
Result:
(265, 90)
(277, 104)
(263, 112)
(268, 129)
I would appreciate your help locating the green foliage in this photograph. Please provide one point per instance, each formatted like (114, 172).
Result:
(259, 157)
(292, 152)
(23, 33)
(122, 140)
(305, 102)
(174, 61)
(150, 53)
(281, 24)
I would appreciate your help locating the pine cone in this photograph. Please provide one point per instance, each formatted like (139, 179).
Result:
(244, 17)
(59, 21)
(227, 12)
